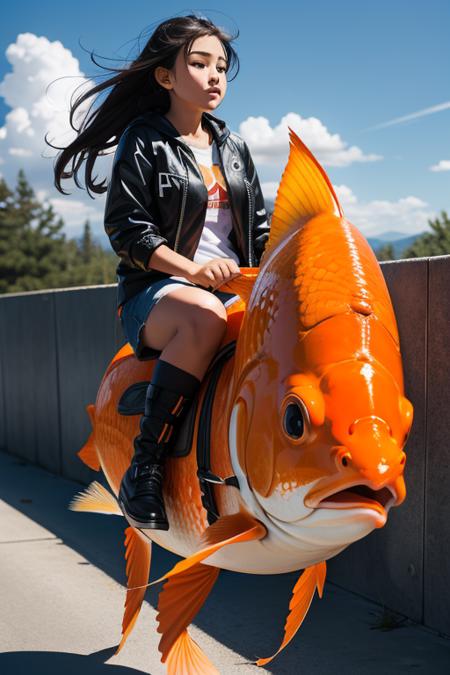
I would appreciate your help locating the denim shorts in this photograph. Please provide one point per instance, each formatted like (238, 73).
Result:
(136, 309)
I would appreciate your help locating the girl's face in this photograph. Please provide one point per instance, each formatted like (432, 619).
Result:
(188, 82)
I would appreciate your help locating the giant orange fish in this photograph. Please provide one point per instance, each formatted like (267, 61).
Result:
(293, 448)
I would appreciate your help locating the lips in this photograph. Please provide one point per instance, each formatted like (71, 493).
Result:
(358, 496)
(214, 91)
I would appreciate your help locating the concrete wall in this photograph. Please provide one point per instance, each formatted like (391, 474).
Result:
(54, 349)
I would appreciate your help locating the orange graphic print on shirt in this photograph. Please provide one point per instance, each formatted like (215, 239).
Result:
(215, 183)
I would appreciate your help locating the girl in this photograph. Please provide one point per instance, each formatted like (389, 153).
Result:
(184, 209)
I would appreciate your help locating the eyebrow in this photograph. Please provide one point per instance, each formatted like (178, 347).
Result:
(208, 54)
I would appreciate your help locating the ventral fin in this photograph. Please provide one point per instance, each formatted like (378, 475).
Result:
(186, 658)
(304, 191)
(96, 499)
(313, 577)
(180, 600)
(138, 551)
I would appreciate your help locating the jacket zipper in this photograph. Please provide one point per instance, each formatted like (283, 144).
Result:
(250, 222)
(183, 205)
(185, 188)
(231, 201)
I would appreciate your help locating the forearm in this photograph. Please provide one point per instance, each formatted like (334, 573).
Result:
(164, 259)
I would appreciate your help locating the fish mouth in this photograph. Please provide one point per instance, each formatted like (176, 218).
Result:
(358, 495)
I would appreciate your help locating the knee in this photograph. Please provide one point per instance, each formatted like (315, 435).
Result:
(209, 319)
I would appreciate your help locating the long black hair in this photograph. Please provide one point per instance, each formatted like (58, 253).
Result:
(134, 91)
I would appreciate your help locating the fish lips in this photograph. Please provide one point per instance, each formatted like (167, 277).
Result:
(354, 495)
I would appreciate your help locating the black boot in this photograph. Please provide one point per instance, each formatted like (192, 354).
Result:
(168, 396)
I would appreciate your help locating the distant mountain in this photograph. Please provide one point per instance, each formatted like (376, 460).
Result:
(399, 240)
(391, 236)
(398, 244)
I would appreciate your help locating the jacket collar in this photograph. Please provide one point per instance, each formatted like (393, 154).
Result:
(217, 126)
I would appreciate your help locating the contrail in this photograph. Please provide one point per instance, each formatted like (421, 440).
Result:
(412, 116)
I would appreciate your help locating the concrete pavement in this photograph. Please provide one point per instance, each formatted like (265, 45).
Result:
(62, 579)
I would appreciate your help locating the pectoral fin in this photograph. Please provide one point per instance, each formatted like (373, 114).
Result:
(138, 553)
(242, 285)
(313, 577)
(232, 529)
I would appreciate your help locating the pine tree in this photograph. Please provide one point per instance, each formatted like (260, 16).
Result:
(87, 246)
(432, 243)
(385, 252)
(34, 251)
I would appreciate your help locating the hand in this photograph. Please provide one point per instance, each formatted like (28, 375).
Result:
(214, 273)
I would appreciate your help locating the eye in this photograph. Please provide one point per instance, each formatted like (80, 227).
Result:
(294, 424)
(295, 418)
(198, 63)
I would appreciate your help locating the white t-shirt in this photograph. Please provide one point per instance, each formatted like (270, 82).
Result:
(214, 242)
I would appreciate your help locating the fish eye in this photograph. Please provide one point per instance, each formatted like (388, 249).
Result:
(293, 421)
(295, 418)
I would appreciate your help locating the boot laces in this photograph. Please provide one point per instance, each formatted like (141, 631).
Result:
(148, 478)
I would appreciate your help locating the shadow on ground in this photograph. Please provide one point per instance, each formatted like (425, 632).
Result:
(23, 663)
(246, 613)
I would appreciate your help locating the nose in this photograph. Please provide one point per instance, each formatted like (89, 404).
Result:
(213, 74)
(371, 452)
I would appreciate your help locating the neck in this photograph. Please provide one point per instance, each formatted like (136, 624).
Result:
(189, 124)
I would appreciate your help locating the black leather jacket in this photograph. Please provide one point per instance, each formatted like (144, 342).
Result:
(157, 195)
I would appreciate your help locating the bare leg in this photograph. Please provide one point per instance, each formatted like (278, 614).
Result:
(188, 325)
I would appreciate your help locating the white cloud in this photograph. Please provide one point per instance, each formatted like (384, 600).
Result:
(44, 76)
(443, 165)
(37, 109)
(269, 189)
(408, 215)
(269, 145)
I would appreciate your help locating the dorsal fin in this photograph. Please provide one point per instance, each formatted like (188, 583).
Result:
(305, 191)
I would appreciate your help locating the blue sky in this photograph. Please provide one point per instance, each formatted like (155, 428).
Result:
(336, 72)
